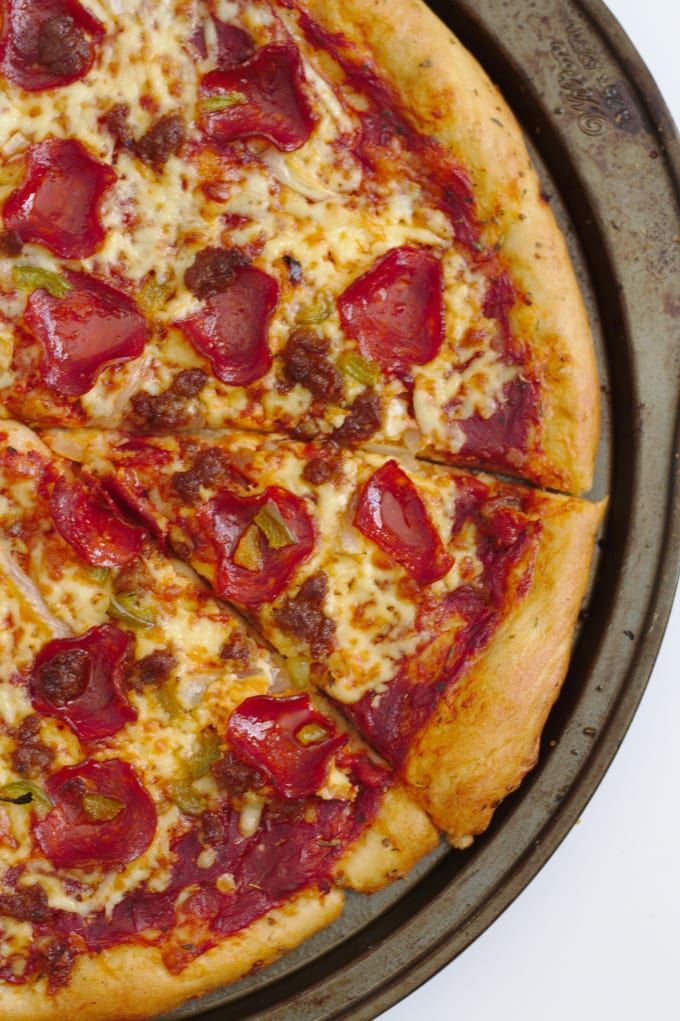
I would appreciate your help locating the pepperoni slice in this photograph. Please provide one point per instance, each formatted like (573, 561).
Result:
(70, 834)
(500, 298)
(286, 739)
(46, 43)
(91, 327)
(230, 330)
(89, 521)
(391, 513)
(234, 46)
(128, 494)
(395, 311)
(499, 439)
(501, 295)
(58, 204)
(80, 680)
(226, 518)
(262, 96)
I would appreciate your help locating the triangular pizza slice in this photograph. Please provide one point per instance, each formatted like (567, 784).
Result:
(436, 607)
(172, 804)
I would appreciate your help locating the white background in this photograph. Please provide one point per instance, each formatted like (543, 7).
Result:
(596, 935)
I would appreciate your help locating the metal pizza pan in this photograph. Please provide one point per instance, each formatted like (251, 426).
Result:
(596, 125)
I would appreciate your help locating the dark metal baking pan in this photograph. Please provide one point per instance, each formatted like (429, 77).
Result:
(610, 161)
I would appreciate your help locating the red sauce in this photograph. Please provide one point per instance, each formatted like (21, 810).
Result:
(445, 184)
(444, 181)
(502, 440)
(288, 853)
(506, 546)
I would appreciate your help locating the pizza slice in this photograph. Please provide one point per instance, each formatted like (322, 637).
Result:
(174, 811)
(436, 607)
(304, 225)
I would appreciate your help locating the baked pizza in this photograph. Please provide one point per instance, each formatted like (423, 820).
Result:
(298, 408)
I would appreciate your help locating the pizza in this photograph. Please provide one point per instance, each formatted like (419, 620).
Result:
(298, 408)
(381, 579)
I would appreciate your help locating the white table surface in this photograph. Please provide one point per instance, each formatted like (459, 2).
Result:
(596, 935)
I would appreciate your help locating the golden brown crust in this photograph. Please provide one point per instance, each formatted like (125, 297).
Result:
(131, 983)
(398, 837)
(485, 735)
(448, 96)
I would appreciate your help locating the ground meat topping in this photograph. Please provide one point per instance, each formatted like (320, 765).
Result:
(60, 958)
(167, 410)
(305, 361)
(116, 122)
(237, 648)
(213, 270)
(134, 577)
(163, 139)
(155, 667)
(302, 615)
(322, 469)
(189, 382)
(64, 677)
(10, 243)
(63, 47)
(363, 420)
(211, 468)
(235, 776)
(31, 756)
(26, 904)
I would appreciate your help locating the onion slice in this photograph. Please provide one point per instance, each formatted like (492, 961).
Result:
(32, 594)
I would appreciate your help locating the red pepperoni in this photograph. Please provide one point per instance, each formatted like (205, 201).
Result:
(267, 733)
(471, 493)
(391, 513)
(133, 498)
(507, 430)
(395, 312)
(58, 204)
(80, 680)
(500, 297)
(89, 521)
(234, 46)
(46, 43)
(269, 101)
(225, 518)
(230, 330)
(91, 327)
(451, 192)
(499, 300)
(70, 838)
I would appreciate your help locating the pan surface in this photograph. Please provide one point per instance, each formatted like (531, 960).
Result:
(597, 128)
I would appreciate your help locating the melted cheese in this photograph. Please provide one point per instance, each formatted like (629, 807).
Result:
(122, 69)
(376, 624)
(25, 624)
(308, 205)
(467, 376)
(158, 745)
(377, 627)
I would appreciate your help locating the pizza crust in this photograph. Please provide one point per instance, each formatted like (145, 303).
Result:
(398, 837)
(447, 95)
(97, 992)
(484, 737)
